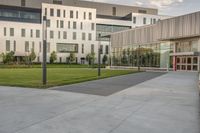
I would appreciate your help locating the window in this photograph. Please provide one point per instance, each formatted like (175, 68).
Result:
(51, 34)
(92, 26)
(11, 31)
(101, 49)
(74, 25)
(71, 14)
(57, 2)
(40, 47)
(61, 24)
(26, 46)
(5, 31)
(57, 23)
(64, 35)
(69, 25)
(74, 35)
(45, 11)
(142, 11)
(81, 25)
(37, 33)
(31, 33)
(144, 20)
(23, 32)
(48, 47)
(33, 46)
(58, 34)
(77, 14)
(64, 13)
(92, 48)
(84, 15)
(90, 16)
(154, 20)
(14, 46)
(48, 22)
(134, 20)
(107, 49)
(82, 49)
(58, 12)
(114, 10)
(89, 36)
(23, 2)
(7, 45)
(83, 36)
(51, 12)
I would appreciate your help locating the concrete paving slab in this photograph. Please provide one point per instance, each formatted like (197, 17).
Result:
(166, 104)
(109, 86)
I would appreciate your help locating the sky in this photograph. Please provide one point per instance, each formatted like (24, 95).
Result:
(165, 7)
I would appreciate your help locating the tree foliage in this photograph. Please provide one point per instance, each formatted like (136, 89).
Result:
(8, 57)
(53, 57)
(72, 57)
(105, 59)
(90, 58)
(32, 56)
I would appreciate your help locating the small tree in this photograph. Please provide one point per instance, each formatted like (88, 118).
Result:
(53, 57)
(32, 56)
(90, 58)
(72, 57)
(8, 57)
(105, 59)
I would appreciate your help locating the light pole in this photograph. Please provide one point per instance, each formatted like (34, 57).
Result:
(44, 69)
(99, 57)
(138, 56)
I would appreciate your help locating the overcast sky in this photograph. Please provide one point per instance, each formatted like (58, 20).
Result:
(166, 7)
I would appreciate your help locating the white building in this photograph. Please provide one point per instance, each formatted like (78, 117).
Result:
(71, 27)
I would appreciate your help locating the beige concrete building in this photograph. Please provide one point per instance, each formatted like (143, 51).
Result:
(171, 43)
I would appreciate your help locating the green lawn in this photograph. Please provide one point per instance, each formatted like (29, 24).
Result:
(31, 77)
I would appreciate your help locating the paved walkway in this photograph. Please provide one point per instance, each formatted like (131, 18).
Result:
(166, 104)
(109, 86)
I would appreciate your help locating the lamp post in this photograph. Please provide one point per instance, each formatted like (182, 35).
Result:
(99, 57)
(44, 69)
(138, 56)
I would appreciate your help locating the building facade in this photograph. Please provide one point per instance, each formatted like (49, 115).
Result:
(72, 26)
(172, 43)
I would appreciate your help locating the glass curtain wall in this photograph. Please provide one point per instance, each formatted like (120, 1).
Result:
(150, 55)
(107, 29)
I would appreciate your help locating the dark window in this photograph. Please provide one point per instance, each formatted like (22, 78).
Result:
(57, 2)
(77, 14)
(71, 14)
(64, 13)
(51, 12)
(82, 51)
(11, 31)
(84, 15)
(74, 25)
(7, 45)
(144, 20)
(142, 11)
(14, 45)
(23, 2)
(101, 49)
(92, 48)
(114, 10)
(90, 16)
(61, 24)
(58, 13)
(107, 50)
(134, 20)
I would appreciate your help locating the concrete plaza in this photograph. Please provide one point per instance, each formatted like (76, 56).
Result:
(165, 104)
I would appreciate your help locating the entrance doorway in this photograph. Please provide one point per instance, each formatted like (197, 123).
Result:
(187, 63)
